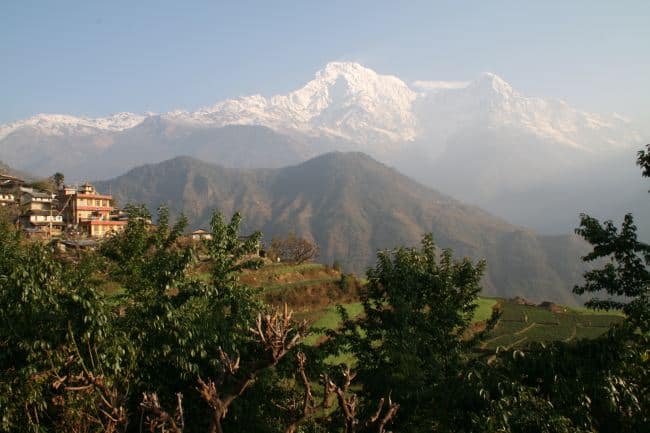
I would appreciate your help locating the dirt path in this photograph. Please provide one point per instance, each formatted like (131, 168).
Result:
(522, 330)
(521, 340)
(573, 334)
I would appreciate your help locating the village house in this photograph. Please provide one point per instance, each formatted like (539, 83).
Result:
(200, 235)
(33, 200)
(38, 214)
(9, 190)
(10, 182)
(91, 212)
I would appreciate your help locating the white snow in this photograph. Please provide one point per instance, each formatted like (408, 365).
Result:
(344, 99)
(348, 100)
(491, 102)
(63, 124)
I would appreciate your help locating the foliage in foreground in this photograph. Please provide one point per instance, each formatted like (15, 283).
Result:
(168, 352)
(417, 308)
(174, 352)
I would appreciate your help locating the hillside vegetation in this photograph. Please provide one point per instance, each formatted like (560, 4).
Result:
(352, 206)
(154, 332)
(314, 290)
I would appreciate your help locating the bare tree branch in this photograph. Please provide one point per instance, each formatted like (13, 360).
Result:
(347, 402)
(278, 334)
(348, 405)
(108, 402)
(309, 406)
(162, 421)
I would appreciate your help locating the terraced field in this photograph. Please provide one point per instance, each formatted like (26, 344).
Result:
(520, 324)
(280, 275)
(314, 290)
(306, 288)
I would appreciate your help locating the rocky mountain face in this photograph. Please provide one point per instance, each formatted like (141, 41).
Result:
(352, 205)
(534, 161)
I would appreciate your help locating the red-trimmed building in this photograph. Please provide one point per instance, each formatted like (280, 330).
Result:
(89, 211)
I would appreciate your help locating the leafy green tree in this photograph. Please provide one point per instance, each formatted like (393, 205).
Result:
(73, 358)
(177, 320)
(58, 178)
(9, 214)
(625, 278)
(599, 385)
(411, 342)
(152, 269)
(47, 305)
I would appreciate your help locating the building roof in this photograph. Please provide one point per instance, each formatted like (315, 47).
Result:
(38, 194)
(9, 183)
(94, 195)
(10, 178)
(32, 229)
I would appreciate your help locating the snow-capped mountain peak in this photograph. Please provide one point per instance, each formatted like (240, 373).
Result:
(351, 101)
(63, 124)
(491, 83)
(344, 99)
(350, 70)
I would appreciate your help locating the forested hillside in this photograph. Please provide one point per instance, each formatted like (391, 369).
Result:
(352, 205)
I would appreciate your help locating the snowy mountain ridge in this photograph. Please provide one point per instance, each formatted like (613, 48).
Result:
(350, 101)
(534, 161)
(344, 99)
(64, 124)
(492, 103)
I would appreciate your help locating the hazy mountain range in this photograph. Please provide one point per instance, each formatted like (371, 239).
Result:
(536, 162)
(352, 205)
(10, 171)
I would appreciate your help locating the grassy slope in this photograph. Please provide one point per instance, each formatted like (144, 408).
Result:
(519, 324)
(309, 289)
(312, 291)
(484, 309)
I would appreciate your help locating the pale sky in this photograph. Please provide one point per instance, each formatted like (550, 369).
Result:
(97, 58)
